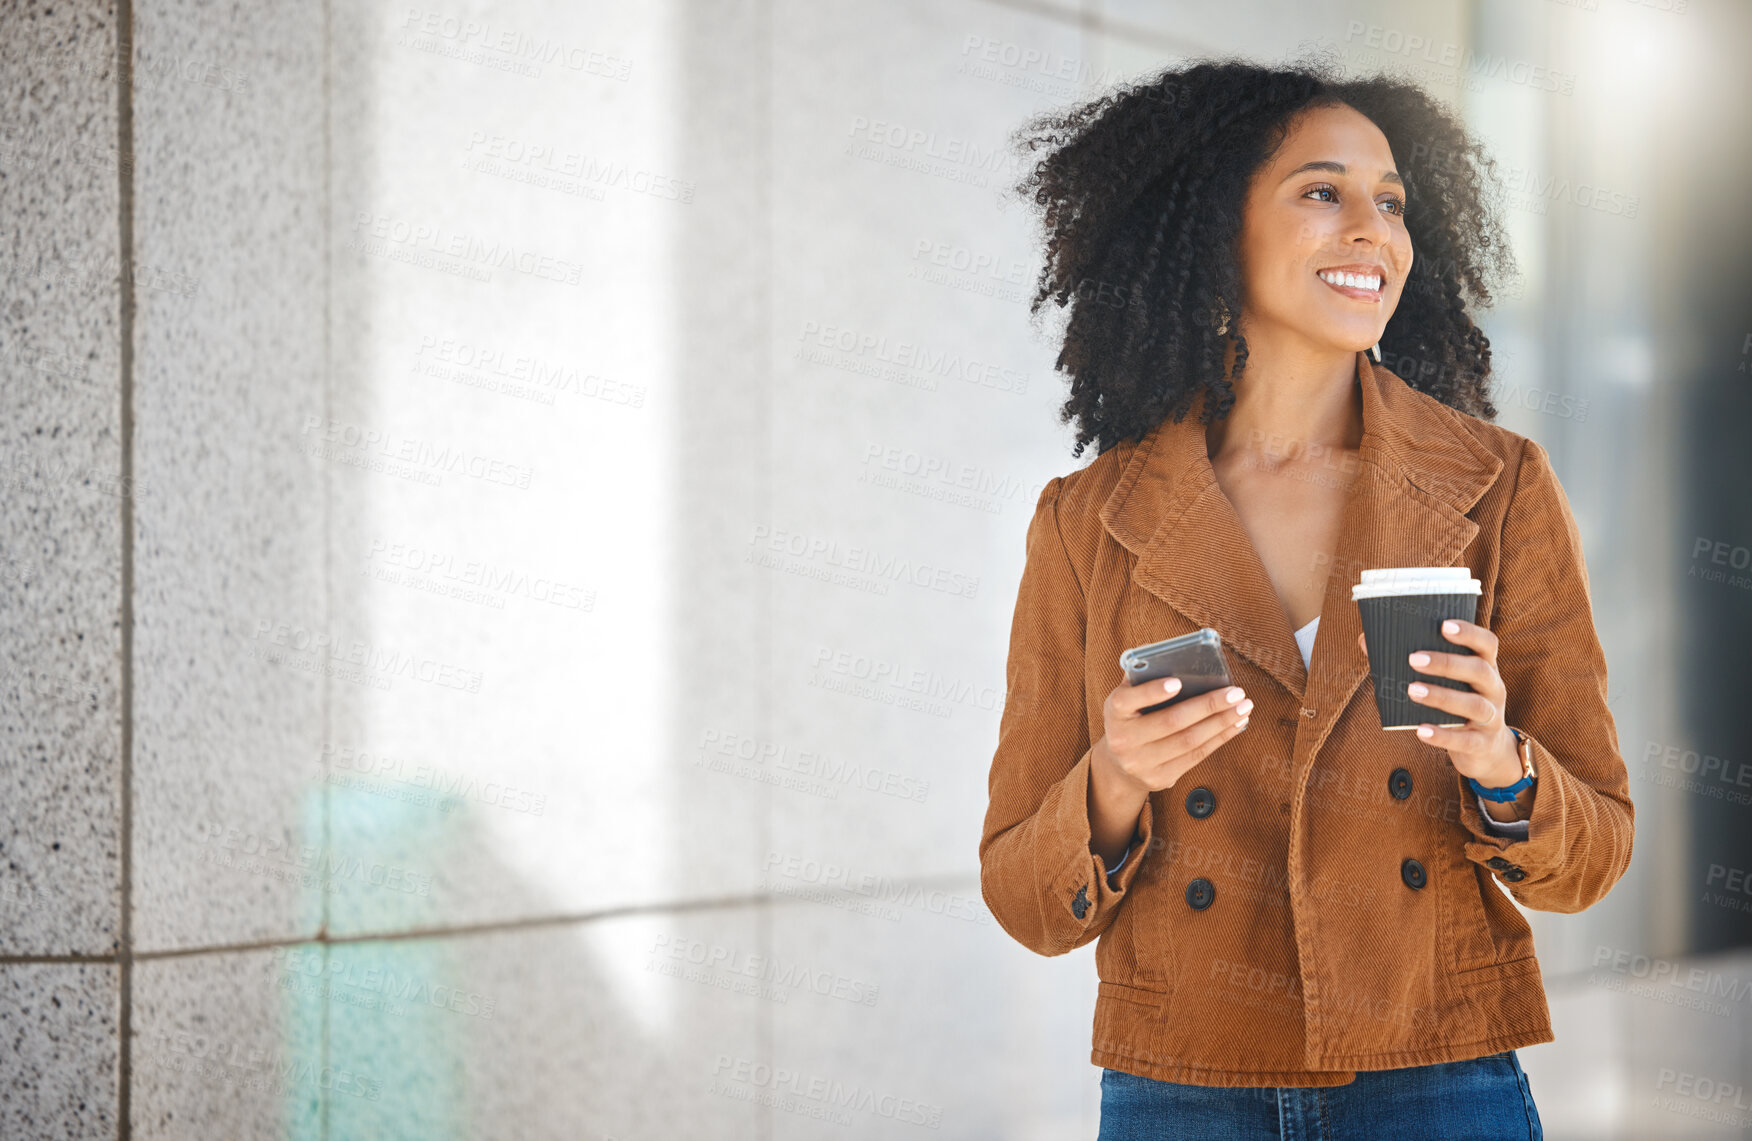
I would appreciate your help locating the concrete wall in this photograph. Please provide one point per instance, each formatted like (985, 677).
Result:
(441, 697)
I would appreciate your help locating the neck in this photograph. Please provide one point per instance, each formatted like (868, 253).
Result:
(1293, 398)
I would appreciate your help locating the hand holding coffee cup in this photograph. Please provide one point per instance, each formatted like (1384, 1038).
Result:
(1409, 611)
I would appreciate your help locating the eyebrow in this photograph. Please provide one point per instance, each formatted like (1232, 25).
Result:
(1340, 168)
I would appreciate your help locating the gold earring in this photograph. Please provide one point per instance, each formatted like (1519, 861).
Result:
(1223, 319)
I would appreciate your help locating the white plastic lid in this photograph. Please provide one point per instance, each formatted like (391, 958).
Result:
(1416, 580)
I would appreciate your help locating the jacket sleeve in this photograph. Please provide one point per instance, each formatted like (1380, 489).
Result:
(1581, 826)
(1043, 884)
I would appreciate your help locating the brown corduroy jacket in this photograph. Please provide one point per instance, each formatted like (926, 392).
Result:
(1318, 896)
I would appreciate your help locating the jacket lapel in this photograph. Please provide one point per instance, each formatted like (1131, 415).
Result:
(1421, 472)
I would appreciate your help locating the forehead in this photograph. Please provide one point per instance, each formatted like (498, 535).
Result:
(1335, 134)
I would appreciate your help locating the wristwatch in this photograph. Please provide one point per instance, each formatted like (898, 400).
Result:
(1524, 745)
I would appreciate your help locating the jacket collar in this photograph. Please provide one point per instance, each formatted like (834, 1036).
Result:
(1422, 470)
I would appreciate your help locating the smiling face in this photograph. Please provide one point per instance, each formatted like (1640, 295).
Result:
(1324, 248)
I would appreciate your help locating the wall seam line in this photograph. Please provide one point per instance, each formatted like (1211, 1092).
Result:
(125, 241)
(326, 713)
(490, 927)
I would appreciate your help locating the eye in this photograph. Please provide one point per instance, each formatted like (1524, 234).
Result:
(1328, 188)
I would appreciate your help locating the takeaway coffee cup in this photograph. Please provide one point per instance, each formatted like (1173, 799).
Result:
(1403, 609)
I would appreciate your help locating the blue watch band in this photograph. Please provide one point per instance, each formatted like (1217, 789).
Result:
(1507, 792)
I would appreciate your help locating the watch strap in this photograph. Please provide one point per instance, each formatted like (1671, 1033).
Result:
(1506, 793)
(1523, 748)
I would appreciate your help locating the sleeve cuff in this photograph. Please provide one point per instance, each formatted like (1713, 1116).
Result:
(1120, 863)
(1515, 828)
(1538, 848)
(1086, 888)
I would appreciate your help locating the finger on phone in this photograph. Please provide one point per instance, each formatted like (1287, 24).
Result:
(1220, 704)
(1212, 724)
(1130, 699)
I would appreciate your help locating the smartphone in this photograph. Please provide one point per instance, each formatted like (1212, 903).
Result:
(1196, 659)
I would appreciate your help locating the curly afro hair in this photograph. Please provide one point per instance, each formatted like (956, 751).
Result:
(1141, 185)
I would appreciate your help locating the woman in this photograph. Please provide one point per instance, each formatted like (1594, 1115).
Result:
(1301, 917)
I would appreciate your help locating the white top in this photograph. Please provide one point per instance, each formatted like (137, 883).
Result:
(1305, 641)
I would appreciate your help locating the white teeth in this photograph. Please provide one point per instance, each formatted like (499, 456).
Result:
(1354, 280)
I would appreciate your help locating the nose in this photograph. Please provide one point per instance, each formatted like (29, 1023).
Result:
(1363, 222)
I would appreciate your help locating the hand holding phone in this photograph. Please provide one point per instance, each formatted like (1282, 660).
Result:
(1176, 708)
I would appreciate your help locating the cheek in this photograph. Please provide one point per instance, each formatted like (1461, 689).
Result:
(1402, 253)
(1287, 238)
(1289, 285)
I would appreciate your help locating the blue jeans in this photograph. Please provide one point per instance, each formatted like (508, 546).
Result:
(1480, 1099)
